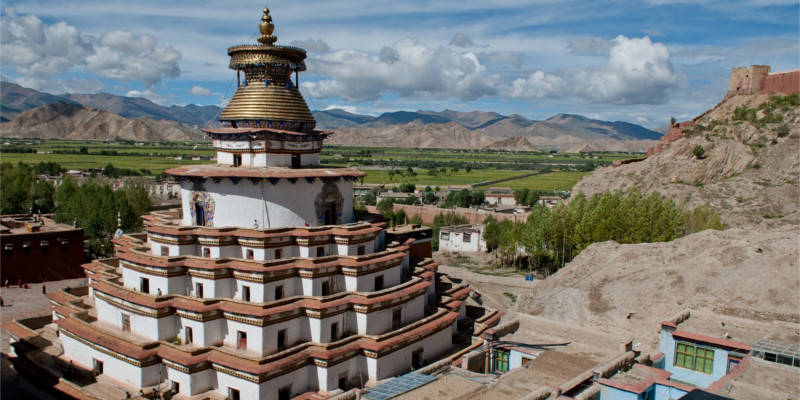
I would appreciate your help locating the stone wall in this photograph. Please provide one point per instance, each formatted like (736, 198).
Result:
(473, 217)
(783, 82)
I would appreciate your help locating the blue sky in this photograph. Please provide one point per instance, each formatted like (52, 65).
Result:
(636, 61)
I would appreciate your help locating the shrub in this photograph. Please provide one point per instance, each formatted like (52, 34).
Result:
(699, 152)
(783, 130)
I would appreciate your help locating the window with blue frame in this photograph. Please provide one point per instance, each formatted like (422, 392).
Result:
(697, 358)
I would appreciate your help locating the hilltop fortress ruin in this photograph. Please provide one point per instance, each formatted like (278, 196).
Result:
(744, 82)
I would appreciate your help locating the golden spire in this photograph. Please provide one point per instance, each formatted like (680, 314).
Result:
(266, 27)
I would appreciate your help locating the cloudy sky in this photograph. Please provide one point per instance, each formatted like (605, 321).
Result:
(637, 61)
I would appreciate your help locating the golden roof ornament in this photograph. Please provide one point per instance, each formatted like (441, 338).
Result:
(266, 95)
(266, 27)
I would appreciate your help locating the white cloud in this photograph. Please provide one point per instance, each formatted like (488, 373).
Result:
(121, 55)
(538, 85)
(38, 51)
(407, 68)
(461, 40)
(200, 91)
(637, 71)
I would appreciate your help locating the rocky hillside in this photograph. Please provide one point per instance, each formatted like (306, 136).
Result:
(73, 121)
(749, 170)
(718, 271)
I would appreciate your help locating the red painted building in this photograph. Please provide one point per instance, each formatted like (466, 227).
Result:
(38, 249)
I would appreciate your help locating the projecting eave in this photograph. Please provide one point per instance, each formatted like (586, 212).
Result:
(260, 132)
(269, 173)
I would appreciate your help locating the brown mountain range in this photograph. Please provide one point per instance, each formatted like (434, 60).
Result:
(73, 121)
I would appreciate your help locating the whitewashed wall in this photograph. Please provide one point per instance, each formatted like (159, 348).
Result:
(81, 355)
(399, 362)
(272, 206)
(194, 384)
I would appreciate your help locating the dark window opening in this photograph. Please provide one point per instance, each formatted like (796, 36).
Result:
(378, 283)
(245, 293)
(237, 160)
(326, 288)
(343, 382)
(295, 160)
(45, 245)
(198, 290)
(278, 292)
(250, 255)
(174, 386)
(285, 393)
(330, 213)
(97, 366)
(199, 214)
(207, 252)
(26, 248)
(334, 331)
(241, 340)
(144, 285)
(320, 251)
(233, 394)
(467, 237)
(189, 335)
(416, 359)
(361, 250)
(397, 318)
(278, 254)
(281, 339)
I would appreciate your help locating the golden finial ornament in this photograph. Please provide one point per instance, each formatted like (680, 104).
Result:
(266, 27)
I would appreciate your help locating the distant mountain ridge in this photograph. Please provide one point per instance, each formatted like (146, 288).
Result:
(443, 129)
(14, 99)
(62, 120)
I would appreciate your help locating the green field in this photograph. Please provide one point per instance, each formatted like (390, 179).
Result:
(156, 165)
(375, 161)
(558, 180)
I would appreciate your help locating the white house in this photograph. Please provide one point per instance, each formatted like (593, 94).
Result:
(461, 238)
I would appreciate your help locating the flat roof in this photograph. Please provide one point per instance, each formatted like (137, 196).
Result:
(764, 380)
(739, 329)
(17, 224)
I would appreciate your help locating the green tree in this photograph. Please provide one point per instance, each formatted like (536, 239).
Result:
(16, 186)
(407, 187)
(43, 196)
(491, 233)
(386, 207)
